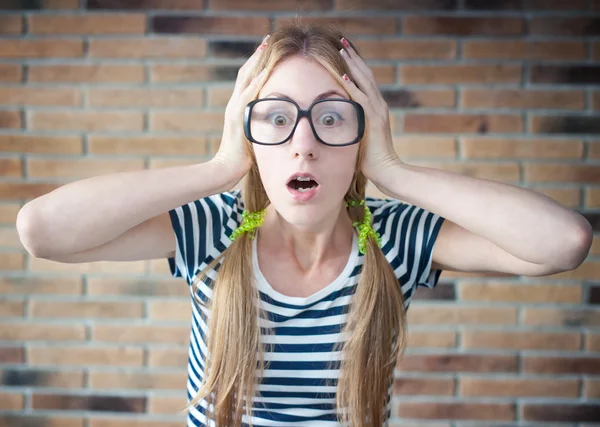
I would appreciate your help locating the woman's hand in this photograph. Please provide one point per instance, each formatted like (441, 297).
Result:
(233, 152)
(380, 151)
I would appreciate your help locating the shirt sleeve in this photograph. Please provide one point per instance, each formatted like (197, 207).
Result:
(202, 229)
(408, 234)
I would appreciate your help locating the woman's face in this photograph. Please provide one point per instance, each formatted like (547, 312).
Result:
(304, 81)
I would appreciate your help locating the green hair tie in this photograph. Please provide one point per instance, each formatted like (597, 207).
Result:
(365, 230)
(250, 222)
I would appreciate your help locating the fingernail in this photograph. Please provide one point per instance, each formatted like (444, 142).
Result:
(346, 78)
(343, 53)
(345, 42)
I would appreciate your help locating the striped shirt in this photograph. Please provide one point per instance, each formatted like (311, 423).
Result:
(293, 390)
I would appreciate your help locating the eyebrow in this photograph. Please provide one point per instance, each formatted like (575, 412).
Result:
(317, 98)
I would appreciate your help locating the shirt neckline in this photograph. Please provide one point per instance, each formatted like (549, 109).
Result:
(266, 287)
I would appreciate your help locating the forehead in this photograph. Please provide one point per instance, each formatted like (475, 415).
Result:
(301, 79)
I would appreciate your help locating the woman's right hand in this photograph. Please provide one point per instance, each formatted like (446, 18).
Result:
(233, 152)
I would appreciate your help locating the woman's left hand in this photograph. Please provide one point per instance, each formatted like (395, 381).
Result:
(380, 151)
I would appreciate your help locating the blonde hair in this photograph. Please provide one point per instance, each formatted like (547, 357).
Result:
(376, 325)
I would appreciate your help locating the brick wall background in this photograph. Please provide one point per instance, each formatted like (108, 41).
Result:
(503, 90)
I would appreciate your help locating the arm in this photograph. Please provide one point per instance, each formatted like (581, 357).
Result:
(489, 221)
(90, 213)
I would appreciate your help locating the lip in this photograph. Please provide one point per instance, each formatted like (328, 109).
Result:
(302, 175)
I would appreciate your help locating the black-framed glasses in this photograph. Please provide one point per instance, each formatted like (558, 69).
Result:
(335, 122)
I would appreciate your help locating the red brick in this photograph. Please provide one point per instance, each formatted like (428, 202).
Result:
(40, 286)
(594, 150)
(407, 49)
(10, 120)
(558, 50)
(454, 74)
(269, 5)
(12, 308)
(10, 73)
(11, 167)
(247, 26)
(167, 405)
(350, 25)
(85, 356)
(137, 380)
(463, 123)
(564, 26)
(60, 4)
(11, 24)
(460, 411)
(592, 196)
(418, 146)
(155, 47)
(87, 402)
(461, 26)
(555, 5)
(129, 422)
(523, 99)
(190, 73)
(518, 387)
(41, 144)
(421, 314)
(521, 340)
(571, 124)
(410, 386)
(146, 98)
(498, 148)
(46, 378)
(45, 96)
(29, 331)
(11, 401)
(591, 388)
(186, 121)
(8, 213)
(141, 334)
(96, 267)
(432, 339)
(560, 172)
(418, 98)
(86, 120)
(86, 309)
(80, 168)
(145, 4)
(24, 190)
(11, 355)
(560, 317)
(47, 48)
(504, 172)
(480, 363)
(592, 342)
(46, 421)
(426, 5)
(88, 24)
(132, 287)
(519, 292)
(561, 365)
(174, 310)
(569, 197)
(86, 73)
(167, 357)
(148, 146)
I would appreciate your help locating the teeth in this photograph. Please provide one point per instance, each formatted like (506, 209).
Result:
(303, 190)
(300, 178)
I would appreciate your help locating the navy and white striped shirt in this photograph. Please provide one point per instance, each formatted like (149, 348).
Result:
(293, 390)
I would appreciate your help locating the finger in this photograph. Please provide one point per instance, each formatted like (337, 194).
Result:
(360, 63)
(245, 72)
(252, 86)
(356, 94)
(366, 84)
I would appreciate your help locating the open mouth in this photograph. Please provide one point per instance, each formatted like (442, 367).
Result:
(302, 184)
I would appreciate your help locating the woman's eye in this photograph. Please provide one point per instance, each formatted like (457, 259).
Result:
(329, 119)
(279, 120)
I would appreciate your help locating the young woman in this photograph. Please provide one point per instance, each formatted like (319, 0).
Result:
(299, 283)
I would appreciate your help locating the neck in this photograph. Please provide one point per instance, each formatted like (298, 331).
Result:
(310, 247)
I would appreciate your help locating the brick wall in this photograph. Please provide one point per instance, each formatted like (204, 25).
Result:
(503, 90)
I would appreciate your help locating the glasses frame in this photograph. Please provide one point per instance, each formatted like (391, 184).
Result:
(360, 112)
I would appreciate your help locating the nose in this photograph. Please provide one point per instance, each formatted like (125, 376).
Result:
(304, 143)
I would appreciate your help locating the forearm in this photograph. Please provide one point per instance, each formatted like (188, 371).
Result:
(528, 225)
(90, 212)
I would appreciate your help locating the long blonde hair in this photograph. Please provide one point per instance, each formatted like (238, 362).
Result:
(376, 326)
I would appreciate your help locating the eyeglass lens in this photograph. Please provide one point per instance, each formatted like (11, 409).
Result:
(335, 122)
